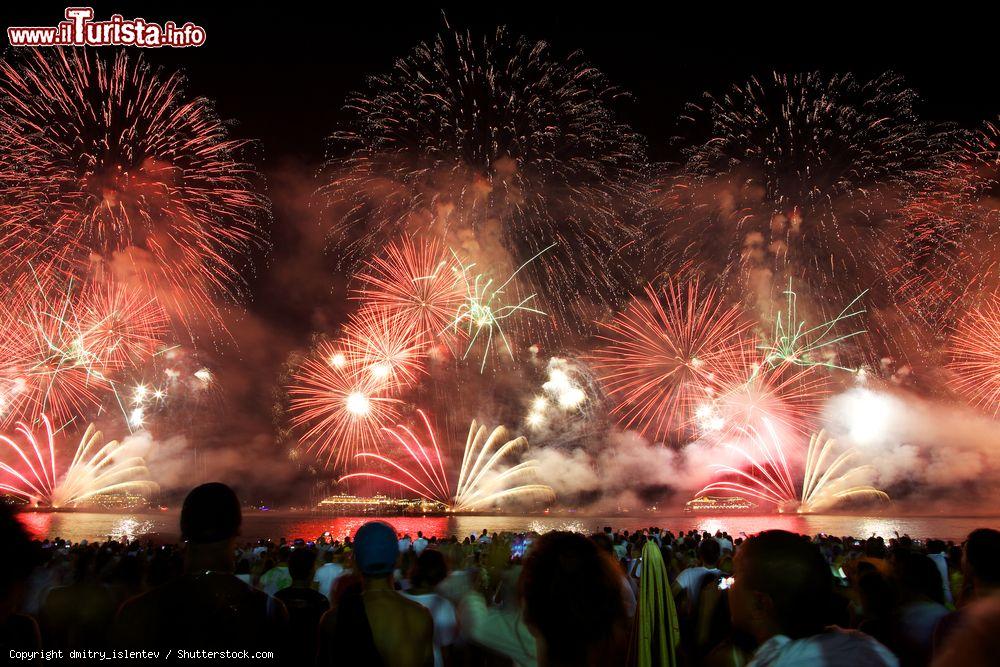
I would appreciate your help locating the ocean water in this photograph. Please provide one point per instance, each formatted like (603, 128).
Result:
(163, 526)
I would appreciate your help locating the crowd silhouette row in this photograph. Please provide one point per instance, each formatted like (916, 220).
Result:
(649, 597)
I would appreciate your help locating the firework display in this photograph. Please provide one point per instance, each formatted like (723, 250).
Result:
(486, 240)
(662, 356)
(976, 356)
(96, 469)
(520, 147)
(825, 479)
(108, 167)
(482, 482)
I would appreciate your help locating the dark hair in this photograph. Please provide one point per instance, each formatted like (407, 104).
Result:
(211, 513)
(300, 563)
(572, 597)
(982, 554)
(793, 573)
(603, 543)
(20, 555)
(709, 551)
(917, 575)
(429, 568)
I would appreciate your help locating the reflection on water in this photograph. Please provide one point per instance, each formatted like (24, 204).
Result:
(164, 526)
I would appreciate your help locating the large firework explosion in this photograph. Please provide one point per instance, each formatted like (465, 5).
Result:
(800, 176)
(501, 148)
(975, 360)
(419, 282)
(339, 406)
(109, 168)
(662, 356)
(97, 468)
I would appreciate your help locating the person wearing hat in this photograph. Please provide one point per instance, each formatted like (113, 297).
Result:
(208, 607)
(372, 624)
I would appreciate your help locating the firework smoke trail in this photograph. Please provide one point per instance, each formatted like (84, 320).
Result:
(801, 176)
(416, 281)
(481, 484)
(770, 479)
(95, 469)
(385, 348)
(661, 357)
(787, 395)
(493, 141)
(339, 407)
(975, 362)
(793, 343)
(108, 167)
(484, 309)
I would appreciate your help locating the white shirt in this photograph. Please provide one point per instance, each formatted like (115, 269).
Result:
(325, 576)
(833, 648)
(404, 545)
(445, 623)
(942, 565)
(693, 578)
(419, 545)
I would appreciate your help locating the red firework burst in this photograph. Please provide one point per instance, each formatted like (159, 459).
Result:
(121, 327)
(976, 356)
(665, 354)
(340, 408)
(46, 364)
(789, 396)
(106, 165)
(417, 282)
(384, 348)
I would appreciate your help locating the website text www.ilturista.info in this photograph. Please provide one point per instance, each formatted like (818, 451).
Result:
(80, 29)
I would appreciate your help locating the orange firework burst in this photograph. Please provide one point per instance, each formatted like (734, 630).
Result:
(417, 282)
(340, 407)
(976, 356)
(106, 165)
(383, 347)
(665, 354)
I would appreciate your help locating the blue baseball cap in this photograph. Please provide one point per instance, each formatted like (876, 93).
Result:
(376, 548)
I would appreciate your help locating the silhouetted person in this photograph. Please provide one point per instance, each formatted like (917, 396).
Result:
(78, 615)
(207, 607)
(781, 596)
(981, 569)
(573, 603)
(370, 623)
(17, 631)
(305, 607)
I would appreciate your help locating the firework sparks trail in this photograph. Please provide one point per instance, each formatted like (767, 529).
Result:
(769, 477)
(96, 469)
(61, 353)
(789, 396)
(975, 362)
(420, 283)
(383, 347)
(108, 166)
(483, 309)
(481, 483)
(793, 343)
(662, 357)
(340, 407)
(518, 146)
